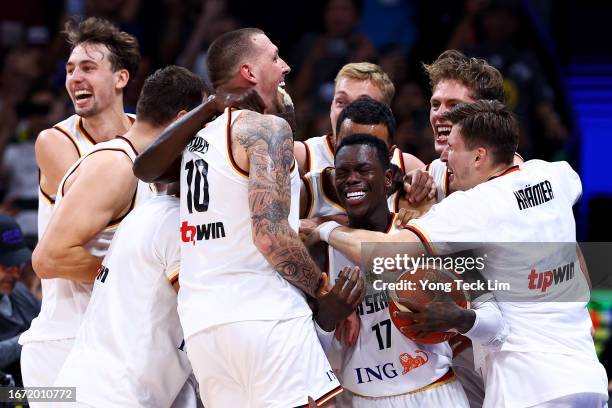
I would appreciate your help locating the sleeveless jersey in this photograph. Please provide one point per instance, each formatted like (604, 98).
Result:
(130, 340)
(65, 301)
(438, 170)
(321, 204)
(384, 362)
(224, 278)
(74, 130)
(319, 153)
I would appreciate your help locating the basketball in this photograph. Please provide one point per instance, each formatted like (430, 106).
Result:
(438, 282)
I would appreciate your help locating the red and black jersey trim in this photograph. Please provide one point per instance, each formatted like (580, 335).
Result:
(229, 145)
(422, 238)
(506, 172)
(326, 397)
(76, 146)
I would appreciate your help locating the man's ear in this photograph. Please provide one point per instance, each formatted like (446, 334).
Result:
(180, 114)
(122, 77)
(246, 72)
(482, 154)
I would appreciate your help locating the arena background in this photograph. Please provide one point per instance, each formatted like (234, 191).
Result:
(555, 57)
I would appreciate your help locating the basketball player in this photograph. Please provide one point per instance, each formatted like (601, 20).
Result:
(98, 69)
(354, 80)
(80, 229)
(241, 258)
(363, 115)
(551, 360)
(455, 79)
(141, 261)
(384, 368)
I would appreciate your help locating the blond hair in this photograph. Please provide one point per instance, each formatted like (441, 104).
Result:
(366, 71)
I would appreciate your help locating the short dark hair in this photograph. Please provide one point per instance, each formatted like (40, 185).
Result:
(382, 151)
(483, 80)
(166, 92)
(123, 47)
(227, 52)
(367, 111)
(489, 124)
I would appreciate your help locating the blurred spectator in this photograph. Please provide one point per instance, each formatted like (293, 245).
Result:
(398, 30)
(320, 57)
(411, 110)
(18, 166)
(528, 92)
(17, 304)
(214, 20)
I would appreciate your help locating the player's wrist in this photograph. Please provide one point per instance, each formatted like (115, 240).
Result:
(326, 229)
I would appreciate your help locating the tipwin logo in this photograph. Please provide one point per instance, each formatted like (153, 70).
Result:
(544, 280)
(193, 233)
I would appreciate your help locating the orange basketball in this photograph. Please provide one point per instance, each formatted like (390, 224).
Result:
(437, 281)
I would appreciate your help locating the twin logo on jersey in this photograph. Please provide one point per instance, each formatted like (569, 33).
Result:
(386, 371)
(193, 233)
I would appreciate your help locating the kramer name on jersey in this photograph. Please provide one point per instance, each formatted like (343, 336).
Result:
(531, 196)
(193, 233)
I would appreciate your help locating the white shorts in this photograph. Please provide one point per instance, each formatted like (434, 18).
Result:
(41, 361)
(449, 394)
(261, 364)
(590, 400)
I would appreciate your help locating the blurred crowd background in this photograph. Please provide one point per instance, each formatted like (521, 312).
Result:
(551, 53)
(555, 57)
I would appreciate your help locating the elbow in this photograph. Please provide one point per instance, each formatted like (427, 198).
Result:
(43, 264)
(140, 171)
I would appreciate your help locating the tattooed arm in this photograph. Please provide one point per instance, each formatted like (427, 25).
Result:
(268, 143)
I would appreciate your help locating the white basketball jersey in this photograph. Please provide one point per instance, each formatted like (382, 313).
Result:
(438, 170)
(319, 202)
(74, 130)
(384, 362)
(130, 340)
(397, 158)
(526, 205)
(319, 153)
(224, 278)
(64, 301)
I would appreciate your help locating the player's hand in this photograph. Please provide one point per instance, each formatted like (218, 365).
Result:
(309, 227)
(441, 315)
(404, 215)
(347, 330)
(341, 300)
(418, 186)
(248, 99)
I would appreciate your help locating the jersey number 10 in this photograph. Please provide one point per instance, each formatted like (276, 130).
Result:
(197, 197)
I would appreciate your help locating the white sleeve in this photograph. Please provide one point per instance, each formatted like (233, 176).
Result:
(167, 243)
(572, 181)
(454, 224)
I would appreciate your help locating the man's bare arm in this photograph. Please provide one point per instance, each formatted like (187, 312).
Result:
(348, 241)
(161, 161)
(268, 143)
(83, 212)
(55, 153)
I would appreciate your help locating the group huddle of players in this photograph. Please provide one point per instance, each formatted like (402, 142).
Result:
(262, 320)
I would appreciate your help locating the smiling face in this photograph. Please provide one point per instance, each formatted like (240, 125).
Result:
(269, 70)
(8, 278)
(92, 84)
(461, 162)
(361, 181)
(346, 91)
(446, 94)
